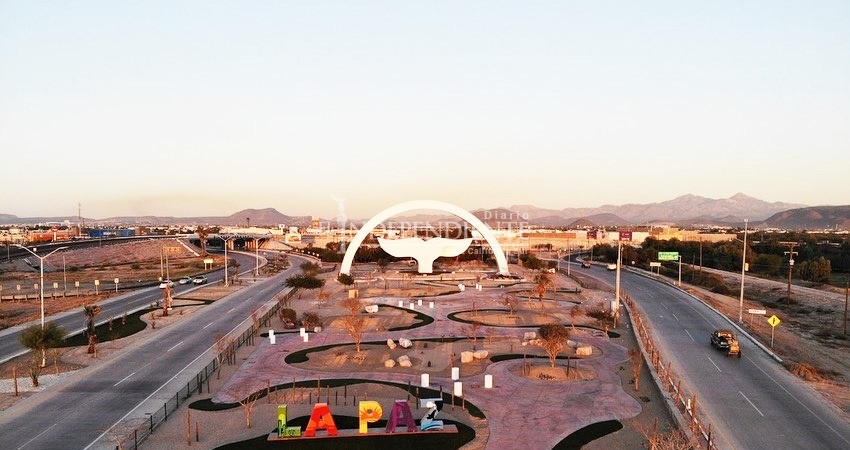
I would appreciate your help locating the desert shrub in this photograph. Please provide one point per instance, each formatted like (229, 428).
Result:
(807, 372)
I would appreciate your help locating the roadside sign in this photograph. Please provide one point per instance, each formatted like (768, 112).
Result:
(760, 312)
(668, 256)
(654, 264)
(773, 321)
(625, 235)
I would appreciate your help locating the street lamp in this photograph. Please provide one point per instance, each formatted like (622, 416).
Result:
(743, 271)
(225, 239)
(41, 274)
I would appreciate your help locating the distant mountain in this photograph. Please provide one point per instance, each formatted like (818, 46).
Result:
(812, 218)
(258, 217)
(681, 210)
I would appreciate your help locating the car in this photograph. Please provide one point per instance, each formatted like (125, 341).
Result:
(585, 264)
(166, 283)
(185, 280)
(725, 340)
(200, 279)
(612, 266)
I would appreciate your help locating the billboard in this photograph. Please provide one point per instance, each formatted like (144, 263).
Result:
(668, 256)
(626, 235)
(591, 234)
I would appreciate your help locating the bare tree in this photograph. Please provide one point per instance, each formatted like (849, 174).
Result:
(670, 440)
(553, 338)
(636, 359)
(322, 296)
(91, 311)
(353, 305)
(248, 399)
(511, 302)
(575, 312)
(311, 320)
(542, 283)
(471, 332)
(354, 325)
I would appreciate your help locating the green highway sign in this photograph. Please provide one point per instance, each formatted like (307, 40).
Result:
(668, 256)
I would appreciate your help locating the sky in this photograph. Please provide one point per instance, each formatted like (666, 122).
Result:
(201, 108)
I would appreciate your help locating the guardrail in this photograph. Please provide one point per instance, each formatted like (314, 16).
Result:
(225, 353)
(667, 380)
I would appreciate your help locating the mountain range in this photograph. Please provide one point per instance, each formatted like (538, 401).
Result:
(686, 210)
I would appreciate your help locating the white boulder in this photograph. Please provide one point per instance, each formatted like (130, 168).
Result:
(529, 335)
(480, 354)
(584, 350)
(404, 361)
(391, 344)
(466, 357)
(389, 363)
(405, 343)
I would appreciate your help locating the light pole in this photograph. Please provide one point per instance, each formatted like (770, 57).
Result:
(41, 274)
(257, 253)
(743, 271)
(225, 239)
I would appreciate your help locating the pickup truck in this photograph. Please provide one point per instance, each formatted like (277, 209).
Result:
(725, 340)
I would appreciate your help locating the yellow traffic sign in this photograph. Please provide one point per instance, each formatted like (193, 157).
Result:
(773, 321)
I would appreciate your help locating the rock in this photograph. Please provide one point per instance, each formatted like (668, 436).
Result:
(404, 361)
(480, 354)
(529, 335)
(391, 344)
(389, 363)
(535, 342)
(466, 357)
(371, 309)
(584, 350)
(571, 343)
(405, 343)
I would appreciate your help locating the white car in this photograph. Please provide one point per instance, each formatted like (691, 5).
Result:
(185, 280)
(612, 266)
(166, 283)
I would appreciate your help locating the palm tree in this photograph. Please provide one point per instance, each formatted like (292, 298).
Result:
(37, 338)
(91, 311)
(202, 233)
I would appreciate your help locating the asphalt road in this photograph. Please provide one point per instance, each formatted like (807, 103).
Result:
(76, 413)
(753, 402)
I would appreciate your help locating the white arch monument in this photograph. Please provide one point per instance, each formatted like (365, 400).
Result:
(461, 213)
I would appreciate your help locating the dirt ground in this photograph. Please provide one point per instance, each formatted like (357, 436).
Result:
(134, 263)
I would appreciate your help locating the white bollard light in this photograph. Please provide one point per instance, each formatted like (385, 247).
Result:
(303, 331)
(431, 305)
(458, 389)
(426, 380)
(419, 302)
(306, 337)
(411, 305)
(488, 381)
(271, 337)
(455, 373)
(401, 303)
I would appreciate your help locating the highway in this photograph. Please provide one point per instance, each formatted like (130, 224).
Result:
(75, 413)
(753, 402)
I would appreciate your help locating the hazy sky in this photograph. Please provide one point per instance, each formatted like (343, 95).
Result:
(205, 108)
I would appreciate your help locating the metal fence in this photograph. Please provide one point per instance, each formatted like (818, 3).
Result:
(223, 354)
(686, 404)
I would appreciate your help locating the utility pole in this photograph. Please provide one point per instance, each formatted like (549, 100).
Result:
(846, 295)
(790, 254)
(743, 272)
(700, 250)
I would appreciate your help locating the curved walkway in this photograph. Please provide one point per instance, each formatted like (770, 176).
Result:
(542, 412)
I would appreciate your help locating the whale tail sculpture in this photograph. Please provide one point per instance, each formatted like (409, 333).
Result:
(424, 252)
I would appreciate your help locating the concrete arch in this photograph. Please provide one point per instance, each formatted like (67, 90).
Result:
(456, 211)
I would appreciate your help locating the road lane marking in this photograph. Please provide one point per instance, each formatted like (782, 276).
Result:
(676, 317)
(715, 365)
(124, 379)
(689, 335)
(751, 403)
(207, 325)
(38, 435)
(801, 403)
(230, 310)
(175, 346)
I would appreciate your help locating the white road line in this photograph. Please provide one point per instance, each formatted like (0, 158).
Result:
(689, 335)
(38, 435)
(801, 403)
(674, 315)
(715, 366)
(175, 346)
(124, 379)
(207, 325)
(230, 310)
(751, 403)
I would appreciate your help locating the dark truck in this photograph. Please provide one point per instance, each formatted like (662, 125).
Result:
(725, 340)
